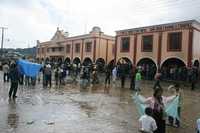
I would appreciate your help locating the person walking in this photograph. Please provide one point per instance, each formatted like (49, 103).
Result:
(5, 72)
(14, 77)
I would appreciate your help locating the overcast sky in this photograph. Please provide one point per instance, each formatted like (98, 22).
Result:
(31, 20)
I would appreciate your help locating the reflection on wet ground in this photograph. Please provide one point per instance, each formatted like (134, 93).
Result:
(70, 109)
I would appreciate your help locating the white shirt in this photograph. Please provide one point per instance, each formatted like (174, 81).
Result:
(148, 124)
(5, 68)
(114, 72)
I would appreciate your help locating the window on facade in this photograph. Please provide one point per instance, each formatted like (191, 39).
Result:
(88, 47)
(77, 48)
(147, 43)
(60, 49)
(47, 50)
(125, 44)
(113, 49)
(42, 50)
(174, 41)
(53, 49)
(68, 47)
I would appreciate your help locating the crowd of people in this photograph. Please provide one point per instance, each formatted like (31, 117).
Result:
(121, 71)
(90, 73)
(170, 72)
(153, 121)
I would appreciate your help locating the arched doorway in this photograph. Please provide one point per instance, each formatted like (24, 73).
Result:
(76, 61)
(60, 60)
(47, 60)
(124, 65)
(148, 68)
(174, 69)
(87, 61)
(67, 60)
(196, 63)
(42, 61)
(52, 60)
(37, 60)
(100, 62)
(111, 64)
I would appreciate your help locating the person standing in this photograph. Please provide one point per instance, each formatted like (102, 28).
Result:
(122, 68)
(27, 80)
(108, 74)
(5, 72)
(138, 78)
(157, 80)
(95, 79)
(48, 74)
(132, 84)
(176, 88)
(114, 74)
(146, 122)
(14, 77)
(56, 74)
(194, 77)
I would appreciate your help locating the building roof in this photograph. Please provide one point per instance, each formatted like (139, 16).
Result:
(61, 36)
(180, 22)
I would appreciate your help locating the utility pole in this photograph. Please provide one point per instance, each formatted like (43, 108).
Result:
(2, 38)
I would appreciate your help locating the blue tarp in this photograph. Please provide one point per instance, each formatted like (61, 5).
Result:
(171, 108)
(28, 68)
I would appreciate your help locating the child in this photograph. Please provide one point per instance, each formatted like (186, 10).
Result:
(146, 122)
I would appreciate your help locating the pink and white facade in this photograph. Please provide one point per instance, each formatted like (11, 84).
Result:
(160, 43)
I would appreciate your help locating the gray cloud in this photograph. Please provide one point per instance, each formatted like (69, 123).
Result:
(29, 20)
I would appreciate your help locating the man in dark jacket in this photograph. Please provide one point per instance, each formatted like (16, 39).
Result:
(132, 84)
(14, 77)
(123, 69)
(108, 75)
(194, 77)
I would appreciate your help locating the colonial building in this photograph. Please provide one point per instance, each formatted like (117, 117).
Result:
(160, 45)
(88, 48)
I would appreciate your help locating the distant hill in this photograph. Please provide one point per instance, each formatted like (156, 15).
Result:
(28, 52)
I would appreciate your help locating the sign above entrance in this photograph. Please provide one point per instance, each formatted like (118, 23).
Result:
(156, 28)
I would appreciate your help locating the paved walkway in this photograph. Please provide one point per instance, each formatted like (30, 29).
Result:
(70, 109)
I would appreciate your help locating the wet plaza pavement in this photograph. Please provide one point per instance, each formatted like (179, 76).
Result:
(70, 109)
